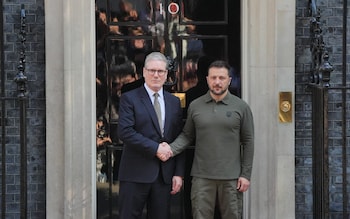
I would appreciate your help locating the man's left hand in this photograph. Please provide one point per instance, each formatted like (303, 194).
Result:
(243, 184)
(177, 184)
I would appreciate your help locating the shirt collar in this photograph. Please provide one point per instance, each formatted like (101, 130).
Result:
(225, 100)
(151, 92)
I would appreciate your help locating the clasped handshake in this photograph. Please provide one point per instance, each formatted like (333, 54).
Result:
(164, 151)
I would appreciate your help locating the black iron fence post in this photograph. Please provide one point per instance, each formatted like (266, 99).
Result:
(324, 96)
(21, 81)
(318, 85)
(320, 152)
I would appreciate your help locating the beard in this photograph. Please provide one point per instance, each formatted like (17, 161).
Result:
(218, 92)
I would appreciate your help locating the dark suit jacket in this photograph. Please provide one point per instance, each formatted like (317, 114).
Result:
(139, 130)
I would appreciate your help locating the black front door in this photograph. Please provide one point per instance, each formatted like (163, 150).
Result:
(187, 32)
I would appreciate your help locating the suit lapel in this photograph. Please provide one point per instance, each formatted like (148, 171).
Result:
(149, 107)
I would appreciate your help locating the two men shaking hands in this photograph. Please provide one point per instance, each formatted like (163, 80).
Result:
(164, 151)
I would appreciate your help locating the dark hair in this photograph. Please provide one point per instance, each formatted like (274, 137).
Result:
(220, 64)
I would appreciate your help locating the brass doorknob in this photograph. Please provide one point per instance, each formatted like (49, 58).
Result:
(285, 106)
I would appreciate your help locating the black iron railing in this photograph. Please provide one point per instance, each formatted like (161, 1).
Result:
(21, 81)
(323, 120)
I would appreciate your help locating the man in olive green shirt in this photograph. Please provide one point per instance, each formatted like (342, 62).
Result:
(221, 125)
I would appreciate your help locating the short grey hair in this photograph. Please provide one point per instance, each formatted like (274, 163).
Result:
(156, 56)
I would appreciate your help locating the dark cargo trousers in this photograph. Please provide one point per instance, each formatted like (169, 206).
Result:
(203, 197)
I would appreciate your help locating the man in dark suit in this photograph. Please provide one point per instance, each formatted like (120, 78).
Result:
(144, 179)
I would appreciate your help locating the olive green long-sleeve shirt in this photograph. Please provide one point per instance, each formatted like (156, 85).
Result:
(224, 136)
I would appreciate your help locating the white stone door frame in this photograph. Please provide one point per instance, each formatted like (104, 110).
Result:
(70, 109)
(268, 68)
(268, 38)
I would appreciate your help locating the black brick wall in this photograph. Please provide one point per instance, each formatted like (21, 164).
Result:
(35, 71)
(303, 124)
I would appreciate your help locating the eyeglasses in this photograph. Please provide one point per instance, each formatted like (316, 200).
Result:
(153, 71)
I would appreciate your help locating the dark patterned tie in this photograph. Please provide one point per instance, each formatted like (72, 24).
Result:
(156, 106)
